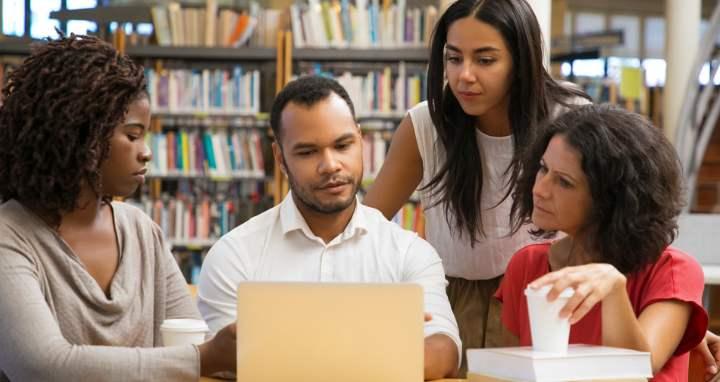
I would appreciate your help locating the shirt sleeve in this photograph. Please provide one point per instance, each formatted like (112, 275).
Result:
(678, 276)
(32, 347)
(223, 269)
(426, 269)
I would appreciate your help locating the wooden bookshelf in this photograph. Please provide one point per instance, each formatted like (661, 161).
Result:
(363, 55)
(243, 54)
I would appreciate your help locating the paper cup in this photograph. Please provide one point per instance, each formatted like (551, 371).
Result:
(550, 333)
(181, 331)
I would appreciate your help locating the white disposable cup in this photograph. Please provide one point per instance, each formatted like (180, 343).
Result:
(550, 333)
(182, 331)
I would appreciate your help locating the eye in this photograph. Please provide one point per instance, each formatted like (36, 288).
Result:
(132, 137)
(542, 169)
(486, 60)
(564, 183)
(304, 153)
(342, 146)
(454, 59)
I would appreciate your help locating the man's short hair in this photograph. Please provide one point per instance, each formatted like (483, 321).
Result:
(305, 91)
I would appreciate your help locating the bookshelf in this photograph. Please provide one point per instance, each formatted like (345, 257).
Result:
(381, 64)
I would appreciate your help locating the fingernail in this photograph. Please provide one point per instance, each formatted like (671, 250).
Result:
(713, 369)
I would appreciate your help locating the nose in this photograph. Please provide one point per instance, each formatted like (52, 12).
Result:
(466, 73)
(329, 163)
(540, 188)
(145, 154)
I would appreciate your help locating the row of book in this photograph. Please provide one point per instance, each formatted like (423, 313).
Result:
(375, 146)
(380, 92)
(212, 26)
(364, 24)
(195, 221)
(411, 217)
(222, 153)
(180, 91)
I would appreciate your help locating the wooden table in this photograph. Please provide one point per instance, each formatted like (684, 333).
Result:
(205, 379)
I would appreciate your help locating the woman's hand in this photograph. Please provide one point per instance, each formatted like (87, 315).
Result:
(709, 348)
(219, 353)
(592, 283)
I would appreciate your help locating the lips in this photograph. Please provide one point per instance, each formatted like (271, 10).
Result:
(141, 172)
(542, 209)
(468, 94)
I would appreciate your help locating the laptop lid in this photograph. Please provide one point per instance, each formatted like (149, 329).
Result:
(324, 332)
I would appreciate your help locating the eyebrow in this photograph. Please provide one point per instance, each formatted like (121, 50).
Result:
(135, 124)
(482, 49)
(544, 163)
(306, 145)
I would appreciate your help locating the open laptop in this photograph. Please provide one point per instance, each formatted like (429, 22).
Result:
(322, 332)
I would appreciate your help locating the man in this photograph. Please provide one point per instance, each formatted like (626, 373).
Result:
(320, 232)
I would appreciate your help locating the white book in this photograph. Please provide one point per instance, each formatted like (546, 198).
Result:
(400, 23)
(297, 27)
(256, 92)
(220, 166)
(361, 34)
(582, 362)
(316, 24)
(400, 103)
(161, 154)
(306, 20)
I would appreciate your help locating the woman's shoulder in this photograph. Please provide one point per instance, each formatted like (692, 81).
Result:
(530, 257)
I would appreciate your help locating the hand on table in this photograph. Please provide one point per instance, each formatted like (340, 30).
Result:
(219, 353)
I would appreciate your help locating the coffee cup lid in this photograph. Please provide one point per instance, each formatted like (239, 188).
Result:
(185, 325)
(543, 291)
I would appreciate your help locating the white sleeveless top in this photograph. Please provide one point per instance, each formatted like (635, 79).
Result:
(490, 256)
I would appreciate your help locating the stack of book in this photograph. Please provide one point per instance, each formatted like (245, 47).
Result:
(219, 153)
(364, 24)
(580, 363)
(218, 91)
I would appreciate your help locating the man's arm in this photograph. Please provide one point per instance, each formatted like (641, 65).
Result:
(223, 269)
(442, 338)
(441, 357)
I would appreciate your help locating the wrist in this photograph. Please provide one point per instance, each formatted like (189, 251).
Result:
(207, 364)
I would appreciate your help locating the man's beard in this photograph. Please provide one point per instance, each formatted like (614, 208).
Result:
(307, 196)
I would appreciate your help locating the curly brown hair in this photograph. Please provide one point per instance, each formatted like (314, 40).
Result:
(634, 178)
(60, 109)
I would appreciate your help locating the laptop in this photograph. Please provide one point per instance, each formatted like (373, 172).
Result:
(323, 332)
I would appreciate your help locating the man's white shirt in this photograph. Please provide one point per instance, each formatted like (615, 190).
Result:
(278, 245)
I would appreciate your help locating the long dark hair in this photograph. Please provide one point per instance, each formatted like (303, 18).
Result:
(458, 183)
(634, 180)
(61, 108)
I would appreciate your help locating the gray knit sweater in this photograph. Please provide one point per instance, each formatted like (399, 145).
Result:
(56, 324)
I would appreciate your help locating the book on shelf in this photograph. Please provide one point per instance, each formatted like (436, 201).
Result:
(360, 24)
(194, 218)
(233, 90)
(213, 26)
(380, 93)
(217, 153)
(581, 362)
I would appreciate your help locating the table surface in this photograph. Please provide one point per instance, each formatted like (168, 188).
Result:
(205, 379)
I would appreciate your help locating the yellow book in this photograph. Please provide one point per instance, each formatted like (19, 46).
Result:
(185, 152)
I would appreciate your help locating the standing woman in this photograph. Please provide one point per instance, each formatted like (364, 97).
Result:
(85, 283)
(487, 93)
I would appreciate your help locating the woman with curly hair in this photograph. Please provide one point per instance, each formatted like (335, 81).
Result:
(85, 282)
(611, 182)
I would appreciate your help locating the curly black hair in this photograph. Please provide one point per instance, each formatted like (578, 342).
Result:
(306, 91)
(60, 109)
(634, 179)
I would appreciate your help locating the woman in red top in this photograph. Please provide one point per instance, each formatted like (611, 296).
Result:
(611, 183)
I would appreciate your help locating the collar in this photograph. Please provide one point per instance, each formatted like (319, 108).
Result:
(292, 220)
